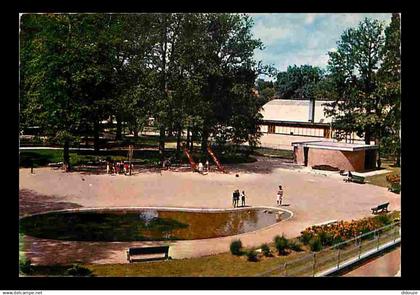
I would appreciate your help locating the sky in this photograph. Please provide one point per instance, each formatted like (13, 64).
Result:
(303, 38)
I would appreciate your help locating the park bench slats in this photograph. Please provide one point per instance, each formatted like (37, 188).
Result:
(147, 253)
(380, 208)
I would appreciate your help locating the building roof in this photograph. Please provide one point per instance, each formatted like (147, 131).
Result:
(333, 145)
(293, 110)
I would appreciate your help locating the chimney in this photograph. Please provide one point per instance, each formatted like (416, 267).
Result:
(311, 110)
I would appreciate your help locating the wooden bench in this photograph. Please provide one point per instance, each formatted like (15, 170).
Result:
(147, 253)
(355, 178)
(380, 208)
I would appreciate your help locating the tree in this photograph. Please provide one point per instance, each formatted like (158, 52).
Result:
(298, 82)
(50, 62)
(356, 76)
(389, 76)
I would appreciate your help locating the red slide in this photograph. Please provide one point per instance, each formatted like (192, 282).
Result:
(219, 166)
(192, 163)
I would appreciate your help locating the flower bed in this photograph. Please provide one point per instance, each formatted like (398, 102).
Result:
(345, 230)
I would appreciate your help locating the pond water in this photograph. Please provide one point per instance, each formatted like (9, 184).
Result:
(146, 224)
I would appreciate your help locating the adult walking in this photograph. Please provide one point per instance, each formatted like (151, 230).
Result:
(243, 198)
(279, 196)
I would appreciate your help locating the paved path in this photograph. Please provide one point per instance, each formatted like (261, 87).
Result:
(388, 265)
(312, 198)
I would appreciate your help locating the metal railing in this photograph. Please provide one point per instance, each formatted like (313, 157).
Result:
(338, 256)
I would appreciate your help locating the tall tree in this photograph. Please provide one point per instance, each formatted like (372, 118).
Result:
(298, 82)
(389, 76)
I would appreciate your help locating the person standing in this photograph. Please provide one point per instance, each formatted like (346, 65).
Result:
(207, 166)
(279, 196)
(243, 198)
(234, 199)
(107, 167)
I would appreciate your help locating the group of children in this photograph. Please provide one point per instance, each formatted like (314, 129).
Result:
(236, 196)
(118, 168)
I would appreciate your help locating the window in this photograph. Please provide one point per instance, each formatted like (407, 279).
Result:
(271, 129)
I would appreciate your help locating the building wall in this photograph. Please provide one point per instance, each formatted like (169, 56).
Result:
(343, 160)
(293, 110)
(284, 142)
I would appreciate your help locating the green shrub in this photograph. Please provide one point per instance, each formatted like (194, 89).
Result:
(315, 244)
(281, 244)
(266, 250)
(384, 219)
(295, 246)
(78, 271)
(306, 237)
(25, 266)
(252, 255)
(236, 247)
(326, 238)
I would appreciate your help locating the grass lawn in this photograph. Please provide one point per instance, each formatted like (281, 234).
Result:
(274, 153)
(44, 157)
(380, 180)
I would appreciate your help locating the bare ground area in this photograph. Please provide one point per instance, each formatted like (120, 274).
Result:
(312, 198)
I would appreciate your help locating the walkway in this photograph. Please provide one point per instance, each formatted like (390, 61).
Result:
(387, 265)
(312, 198)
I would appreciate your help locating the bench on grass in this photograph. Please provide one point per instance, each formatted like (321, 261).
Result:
(147, 253)
(380, 208)
(355, 178)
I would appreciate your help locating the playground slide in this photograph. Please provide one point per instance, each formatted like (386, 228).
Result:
(219, 166)
(192, 163)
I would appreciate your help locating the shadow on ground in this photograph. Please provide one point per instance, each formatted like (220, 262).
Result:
(31, 202)
(264, 165)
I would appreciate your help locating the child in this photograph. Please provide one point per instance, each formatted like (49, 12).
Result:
(279, 196)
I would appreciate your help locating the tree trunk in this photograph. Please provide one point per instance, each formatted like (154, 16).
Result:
(367, 135)
(204, 142)
(66, 154)
(192, 140)
(118, 134)
(162, 144)
(96, 136)
(178, 142)
(188, 137)
(378, 154)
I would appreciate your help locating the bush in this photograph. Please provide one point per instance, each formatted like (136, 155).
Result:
(306, 237)
(25, 266)
(281, 244)
(295, 246)
(315, 244)
(326, 238)
(236, 247)
(78, 271)
(384, 219)
(252, 255)
(266, 250)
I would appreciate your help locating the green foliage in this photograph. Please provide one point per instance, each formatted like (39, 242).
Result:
(25, 266)
(236, 247)
(306, 237)
(298, 82)
(281, 244)
(315, 244)
(252, 255)
(266, 250)
(78, 271)
(326, 238)
(295, 245)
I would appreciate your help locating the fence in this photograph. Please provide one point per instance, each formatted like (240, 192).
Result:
(334, 258)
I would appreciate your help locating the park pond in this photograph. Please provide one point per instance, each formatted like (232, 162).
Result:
(147, 224)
